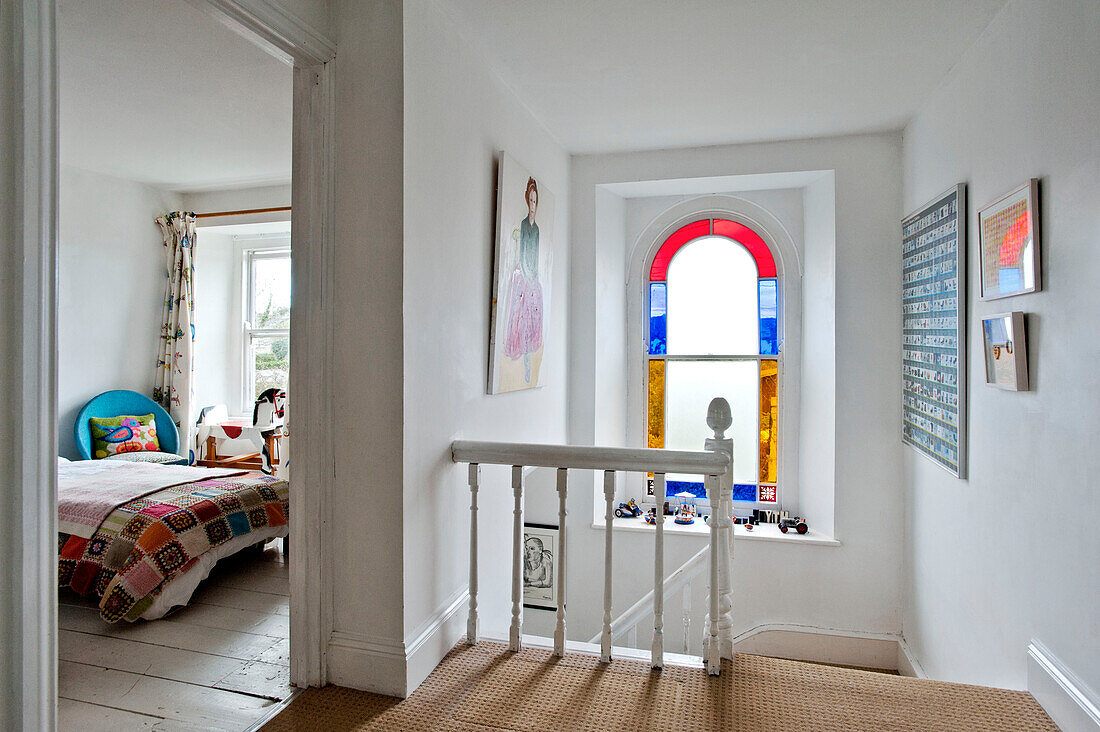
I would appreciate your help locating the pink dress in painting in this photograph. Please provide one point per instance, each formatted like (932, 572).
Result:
(523, 335)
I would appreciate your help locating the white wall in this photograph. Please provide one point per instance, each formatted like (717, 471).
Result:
(458, 116)
(856, 586)
(110, 289)
(365, 527)
(1011, 554)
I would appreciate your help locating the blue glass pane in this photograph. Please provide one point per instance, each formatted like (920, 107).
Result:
(672, 487)
(744, 491)
(658, 318)
(769, 318)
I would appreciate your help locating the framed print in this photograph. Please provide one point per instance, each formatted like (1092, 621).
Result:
(1005, 344)
(933, 307)
(519, 325)
(540, 557)
(1009, 234)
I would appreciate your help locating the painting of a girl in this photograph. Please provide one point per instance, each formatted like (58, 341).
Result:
(524, 333)
(521, 283)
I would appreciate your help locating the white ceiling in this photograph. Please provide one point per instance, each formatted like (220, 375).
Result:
(160, 92)
(606, 75)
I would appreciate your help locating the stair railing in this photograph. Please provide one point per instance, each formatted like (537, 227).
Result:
(714, 463)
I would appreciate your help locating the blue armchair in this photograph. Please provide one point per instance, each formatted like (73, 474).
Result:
(117, 403)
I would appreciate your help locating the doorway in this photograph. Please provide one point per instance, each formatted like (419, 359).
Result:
(33, 337)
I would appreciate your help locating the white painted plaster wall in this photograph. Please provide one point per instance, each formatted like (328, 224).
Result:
(110, 289)
(1011, 554)
(458, 116)
(855, 586)
(368, 412)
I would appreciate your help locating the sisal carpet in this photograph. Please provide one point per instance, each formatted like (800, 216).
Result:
(485, 687)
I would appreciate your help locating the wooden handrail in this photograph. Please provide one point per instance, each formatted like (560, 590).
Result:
(582, 457)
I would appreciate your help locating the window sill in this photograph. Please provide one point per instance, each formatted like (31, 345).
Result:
(761, 532)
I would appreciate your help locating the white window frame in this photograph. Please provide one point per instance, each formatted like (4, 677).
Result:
(249, 332)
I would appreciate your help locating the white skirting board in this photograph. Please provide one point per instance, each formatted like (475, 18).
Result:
(396, 667)
(1070, 703)
(828, 645)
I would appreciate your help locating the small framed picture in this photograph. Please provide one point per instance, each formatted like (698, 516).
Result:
(1009, 232)
(1005, 351)
(540, 560)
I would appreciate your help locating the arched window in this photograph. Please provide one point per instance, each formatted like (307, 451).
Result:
(713, 302)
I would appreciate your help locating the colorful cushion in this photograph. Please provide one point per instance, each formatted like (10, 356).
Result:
(127, 433)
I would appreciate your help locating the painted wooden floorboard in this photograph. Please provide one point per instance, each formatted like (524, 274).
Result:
(123, 654)
(259, 602)
(216, 641)
(261, 679)
(278, 654)
(219, 663)
(176, 700)
(270, 583)
(78, 715)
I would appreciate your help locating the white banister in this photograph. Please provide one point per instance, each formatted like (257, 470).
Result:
(609, 518)
(657, 654)
(714, 464)
(514, 639)
(471, 620)
(559, 631)
(630, 459)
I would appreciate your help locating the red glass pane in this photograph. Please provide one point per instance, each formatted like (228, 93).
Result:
(748, 239)
(659, 271)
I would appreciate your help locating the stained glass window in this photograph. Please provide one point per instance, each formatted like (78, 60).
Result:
(714, 330)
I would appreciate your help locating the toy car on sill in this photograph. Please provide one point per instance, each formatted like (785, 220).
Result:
(630, 508)
(796, 523)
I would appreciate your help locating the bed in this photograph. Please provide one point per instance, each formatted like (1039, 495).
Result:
(140, 537)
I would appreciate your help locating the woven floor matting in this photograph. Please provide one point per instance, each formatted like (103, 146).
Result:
(485, 687)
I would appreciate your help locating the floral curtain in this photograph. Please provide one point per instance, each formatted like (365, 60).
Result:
(173, 388)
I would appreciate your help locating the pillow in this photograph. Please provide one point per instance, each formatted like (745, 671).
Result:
(114, 435)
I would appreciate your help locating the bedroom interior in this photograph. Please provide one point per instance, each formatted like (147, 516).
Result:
(655, 366)
(174, 599)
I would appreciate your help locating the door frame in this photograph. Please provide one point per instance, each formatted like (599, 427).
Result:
(28, 344)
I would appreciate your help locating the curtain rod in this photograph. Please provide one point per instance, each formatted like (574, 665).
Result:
(242, 212)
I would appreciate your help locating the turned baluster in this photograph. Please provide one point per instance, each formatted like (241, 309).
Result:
(471, 620)
(559, 631)
(514, 640)
(657, 655)
(609, 525)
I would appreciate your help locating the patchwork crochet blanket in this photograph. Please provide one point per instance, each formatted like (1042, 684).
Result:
(145, 543)
(88, 490)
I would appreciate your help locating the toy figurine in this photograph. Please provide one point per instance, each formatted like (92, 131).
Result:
(630, 508)
(651, 516)
(797, 523)
(685, 514)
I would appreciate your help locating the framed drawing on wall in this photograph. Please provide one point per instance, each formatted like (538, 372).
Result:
(1005, 344)
(933, 325)
(1009, 234)
(540, 557)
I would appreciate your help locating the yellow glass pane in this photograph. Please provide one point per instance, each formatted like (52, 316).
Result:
(656, 403)
(769, 413)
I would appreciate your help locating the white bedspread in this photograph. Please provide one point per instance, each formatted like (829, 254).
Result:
(88, 490)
